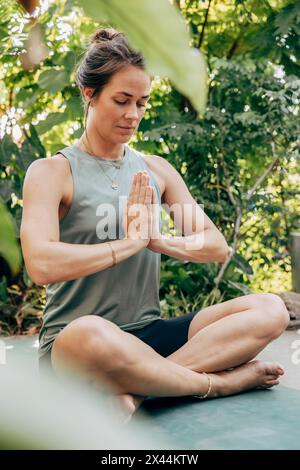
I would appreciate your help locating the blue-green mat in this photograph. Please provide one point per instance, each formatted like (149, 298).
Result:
(268, 419)
(257, 420)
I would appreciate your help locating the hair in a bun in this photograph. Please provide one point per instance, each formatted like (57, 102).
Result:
(106, 34)
(108, 52)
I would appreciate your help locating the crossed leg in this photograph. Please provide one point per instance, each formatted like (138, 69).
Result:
(228, 334)
(232, 333)
(220, 337)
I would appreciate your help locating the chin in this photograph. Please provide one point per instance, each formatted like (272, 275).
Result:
(123, 139)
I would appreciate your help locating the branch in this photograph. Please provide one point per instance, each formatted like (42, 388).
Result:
(265, 174)
(233, 250)
(239, 211)
(228, 186)
(235, 43)
(203, 26)
(233, 47)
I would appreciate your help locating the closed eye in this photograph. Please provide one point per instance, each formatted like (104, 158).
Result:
(125, 102)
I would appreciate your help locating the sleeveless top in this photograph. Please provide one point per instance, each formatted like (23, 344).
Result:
(128, 292)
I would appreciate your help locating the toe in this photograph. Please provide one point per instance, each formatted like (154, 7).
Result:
(273, 368)
(280, 369)
(274, 382)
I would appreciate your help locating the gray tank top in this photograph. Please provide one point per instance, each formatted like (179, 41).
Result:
(127, 293)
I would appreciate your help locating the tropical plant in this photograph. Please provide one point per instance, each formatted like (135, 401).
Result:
(240, 160)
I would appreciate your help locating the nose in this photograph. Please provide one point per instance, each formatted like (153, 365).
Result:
(132, 114)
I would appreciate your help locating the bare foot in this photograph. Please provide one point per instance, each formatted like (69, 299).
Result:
(253, 375)
(128, 404)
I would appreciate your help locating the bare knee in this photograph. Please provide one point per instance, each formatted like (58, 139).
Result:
(275, 313)
(88, 342)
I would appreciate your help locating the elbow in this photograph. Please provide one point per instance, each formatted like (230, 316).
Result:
(223, 252)
(36, 260)
(37, 274)
(40, 281)
(37, 277)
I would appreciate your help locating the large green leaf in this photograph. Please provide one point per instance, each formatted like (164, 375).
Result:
(9, 249)
(74, 108)
(34, 140)
(28, 96)
(157, 29)
(5, 189)
(7, 149)
(31, 148)
(67, 61)
(51, 120)
(53, 80)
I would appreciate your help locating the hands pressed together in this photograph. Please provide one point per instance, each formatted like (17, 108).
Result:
(141, 213)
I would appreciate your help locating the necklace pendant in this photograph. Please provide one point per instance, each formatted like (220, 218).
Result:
(114, 185)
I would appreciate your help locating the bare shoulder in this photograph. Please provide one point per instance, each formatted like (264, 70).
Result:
(175, 188)
(159, 163)
(157, 166)
(54, 172)
(55, 165)
(168, 177)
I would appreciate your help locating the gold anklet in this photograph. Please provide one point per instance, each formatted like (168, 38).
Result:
(209, 387)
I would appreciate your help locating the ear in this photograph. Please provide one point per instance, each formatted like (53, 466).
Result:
(87, 93)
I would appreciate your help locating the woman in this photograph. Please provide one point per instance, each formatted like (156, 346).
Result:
(102, 313)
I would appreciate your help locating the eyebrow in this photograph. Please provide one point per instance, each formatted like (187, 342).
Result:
(128, 94)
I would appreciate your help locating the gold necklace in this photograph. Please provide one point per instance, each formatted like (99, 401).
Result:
(114, 183)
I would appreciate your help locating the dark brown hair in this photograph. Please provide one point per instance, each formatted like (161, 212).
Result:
(107, 53)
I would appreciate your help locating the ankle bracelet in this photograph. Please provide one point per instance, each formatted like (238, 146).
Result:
(209, 387)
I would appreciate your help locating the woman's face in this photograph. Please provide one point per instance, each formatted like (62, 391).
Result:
(120, 105)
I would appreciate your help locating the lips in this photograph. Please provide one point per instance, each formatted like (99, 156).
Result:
(127, 128)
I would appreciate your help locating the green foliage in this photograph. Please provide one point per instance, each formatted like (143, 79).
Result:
(21, 305)
(8, 246)
(166, 53)
(241, 161)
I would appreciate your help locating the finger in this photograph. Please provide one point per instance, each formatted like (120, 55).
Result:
(148, 195)
(147, 205)
(137, 188)
(133, 189)
(155, 211)
(144, 185)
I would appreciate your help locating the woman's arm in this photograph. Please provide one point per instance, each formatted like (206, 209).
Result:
(46, 258)
(201, 240)
(204, 247)
(58, 261)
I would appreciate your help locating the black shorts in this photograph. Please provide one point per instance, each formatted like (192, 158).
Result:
(164, 336)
